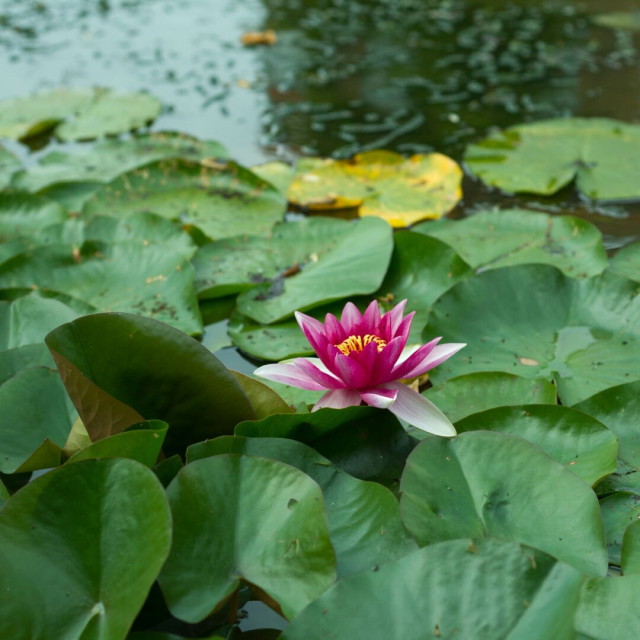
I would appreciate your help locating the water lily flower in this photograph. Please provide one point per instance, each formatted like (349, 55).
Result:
(363, 358)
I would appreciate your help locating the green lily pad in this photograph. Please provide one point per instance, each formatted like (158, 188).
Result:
(619, 510)
(221, 198)
(301, 265)
(583, 334)
(608, 609)
(542, 157)
(9, 164)
(21, 214)
(364, 517)
(15, 360)
(109, 158)
(574, 439)
(110, 522)
(618, 409)
(460, 397)
(264, 400)
(141, 442)
(145, 270)
(27, 320)
(630, 553)
(110, 113)
(279, 174)
(269, 529)
(482, 589)
(493, 484)
(501, 238)
(365, 442)
(34, 422)
(379, 183)
(29, 116)
(121, 369)
(626, 262)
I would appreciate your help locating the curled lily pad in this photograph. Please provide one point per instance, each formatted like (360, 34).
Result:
(542, 157)
(221, 198)
(584, 334)
(380, 183)
(500, 238)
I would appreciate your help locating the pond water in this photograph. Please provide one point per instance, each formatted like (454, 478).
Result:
(344, 75)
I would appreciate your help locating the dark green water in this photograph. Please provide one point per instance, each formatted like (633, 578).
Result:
(345, 75)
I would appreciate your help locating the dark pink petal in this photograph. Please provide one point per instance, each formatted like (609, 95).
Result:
(350, 318)
(379, 398)
(288, 373)
(382, 368)
(334, 330)
(405, 326)
(338, 399)
(353, 374)
(395, 316)
(371, 318)
(317, 372)
(437, 356)
(367, 357)
(419, 412)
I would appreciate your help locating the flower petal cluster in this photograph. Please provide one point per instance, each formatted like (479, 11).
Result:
(364, 358)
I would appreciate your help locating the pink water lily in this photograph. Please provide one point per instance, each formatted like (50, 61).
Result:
(363, 358)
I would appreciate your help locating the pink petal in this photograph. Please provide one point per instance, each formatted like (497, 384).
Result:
(338, 399)
(316, 371)
(395, 316)
(334, 330)
(405, 326)
(371, 318)
(419, 412)
(419, 363)
(411, 355)
(288, 373)
(379, 398)
(355, 376)
(382, 367)
(350, 318)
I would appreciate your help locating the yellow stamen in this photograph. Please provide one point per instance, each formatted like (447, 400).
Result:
(358, 343)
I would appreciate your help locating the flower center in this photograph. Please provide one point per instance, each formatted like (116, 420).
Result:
(358, 343)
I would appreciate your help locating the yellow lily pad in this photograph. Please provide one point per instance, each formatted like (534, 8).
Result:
(379, 183)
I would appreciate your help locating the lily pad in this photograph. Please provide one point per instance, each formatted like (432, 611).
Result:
(583, 334)
(221, 198)
(460, 397)
(120, 369)
(365, 442)
(608, 609)
(380, 183)
(353, 263)
(110, 522)
(629, 20)
(618, 409)
(493, 484)
(9, 164)
(630, 553)
(501, 238)
(542, 157)
(136, 276)
(21, 214)
(34, 422)
(267, 524)
(482, 589)
(279, 174)
(109, 158)
(574, 439)
(626, 262)
(364, 517)
(619, 510)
